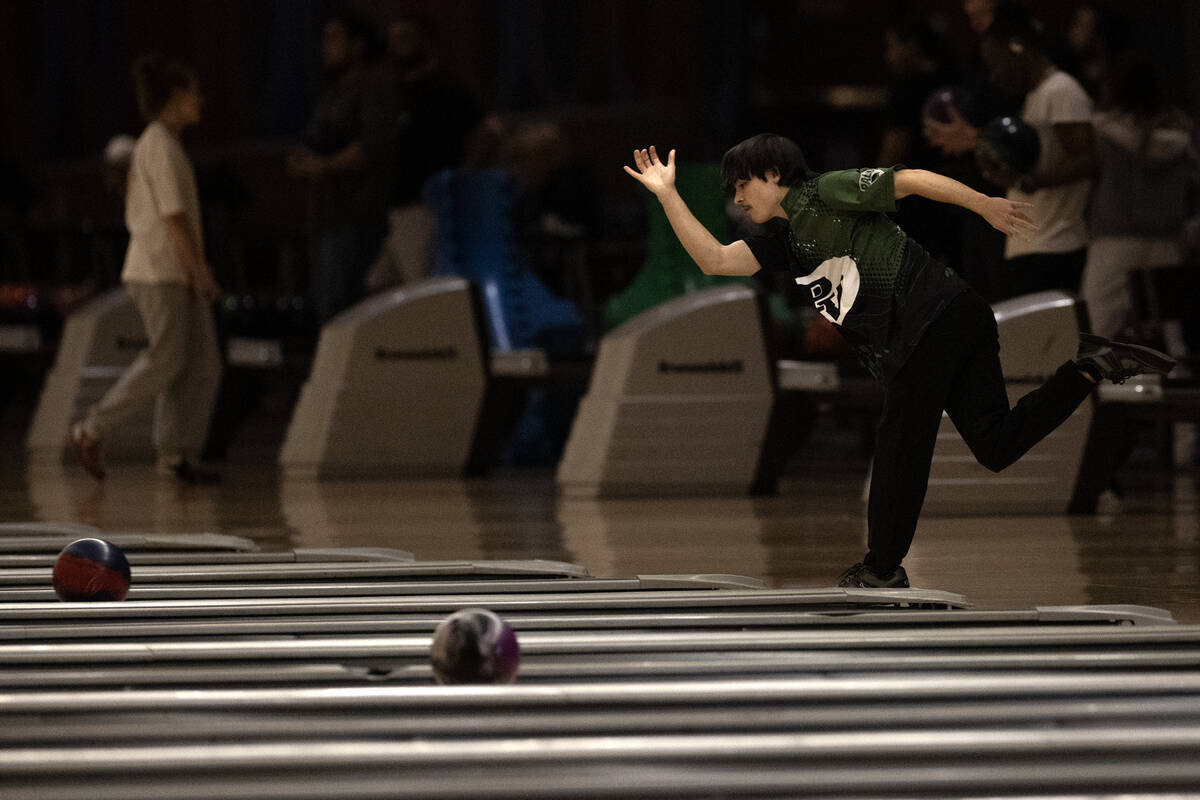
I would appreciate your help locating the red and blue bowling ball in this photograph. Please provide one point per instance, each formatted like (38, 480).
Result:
(474, 646)
(91, 570)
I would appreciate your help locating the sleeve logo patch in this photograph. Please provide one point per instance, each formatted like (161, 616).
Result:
(834, 287)
(866, 177)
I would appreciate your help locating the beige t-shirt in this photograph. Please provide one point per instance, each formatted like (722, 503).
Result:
(161, 182)
(1058, 210)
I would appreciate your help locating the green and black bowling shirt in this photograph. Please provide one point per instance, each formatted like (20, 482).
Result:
(862, 272)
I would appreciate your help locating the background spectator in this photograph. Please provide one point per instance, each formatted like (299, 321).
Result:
(981, 248)
(166, 274)
(1096, 37)
(439, 124)
(347, 157)
(919, 63)
(1060, 110)
(1145, 189)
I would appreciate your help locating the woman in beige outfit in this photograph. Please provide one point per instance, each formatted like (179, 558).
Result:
(166, 275)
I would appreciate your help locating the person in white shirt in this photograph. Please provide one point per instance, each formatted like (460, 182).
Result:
(1059, 108)
(173, 287)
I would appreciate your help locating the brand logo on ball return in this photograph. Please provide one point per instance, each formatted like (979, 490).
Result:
(430, 354)
(734, 365)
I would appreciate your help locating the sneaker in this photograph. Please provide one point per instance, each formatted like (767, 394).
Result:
(1115, 361)
(863, 577)
(187, 472)
(87, 450)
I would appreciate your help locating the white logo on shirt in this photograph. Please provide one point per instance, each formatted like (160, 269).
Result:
(866, 177)
(834, 287)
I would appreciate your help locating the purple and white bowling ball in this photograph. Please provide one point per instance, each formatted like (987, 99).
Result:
(942, 104)
(474, 646)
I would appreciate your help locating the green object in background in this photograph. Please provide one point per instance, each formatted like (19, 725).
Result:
(669, 271)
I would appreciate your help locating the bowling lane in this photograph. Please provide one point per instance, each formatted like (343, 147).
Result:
(981, 762)
(1144, 551)
(83, 727)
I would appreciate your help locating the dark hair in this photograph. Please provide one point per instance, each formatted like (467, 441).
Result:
(1013, 22)
(155, 77)
(756, 156)
(362, 30)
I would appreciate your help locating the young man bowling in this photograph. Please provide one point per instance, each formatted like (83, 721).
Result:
(919, 328)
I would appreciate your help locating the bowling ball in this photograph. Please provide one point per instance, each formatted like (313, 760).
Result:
(474, 646)
(1009, 141)
(941, 102)
(91, 569)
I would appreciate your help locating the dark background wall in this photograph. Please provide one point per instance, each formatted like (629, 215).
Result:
(695, 74)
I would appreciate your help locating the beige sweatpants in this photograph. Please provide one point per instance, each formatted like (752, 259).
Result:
(180, 371)
(1105, 285)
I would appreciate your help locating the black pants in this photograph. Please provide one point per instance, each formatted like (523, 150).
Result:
(956, 368)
